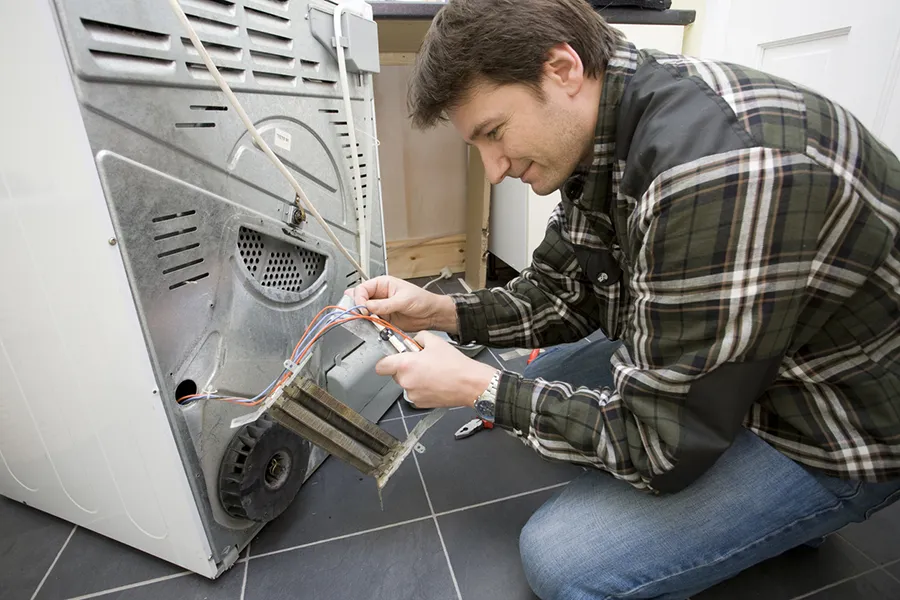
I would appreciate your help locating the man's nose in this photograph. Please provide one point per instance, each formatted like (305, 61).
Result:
(496, 165)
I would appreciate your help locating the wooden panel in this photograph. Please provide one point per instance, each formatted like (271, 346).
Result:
(401, 35)
(423, 258)
(478, 207)
(423, 173)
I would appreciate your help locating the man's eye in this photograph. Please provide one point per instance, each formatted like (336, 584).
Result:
(492, 134)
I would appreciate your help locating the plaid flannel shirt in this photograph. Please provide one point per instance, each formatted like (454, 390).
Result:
(739, 234)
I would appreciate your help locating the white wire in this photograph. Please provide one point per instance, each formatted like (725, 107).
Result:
(351, 128)
(261, 143)
(432, 282)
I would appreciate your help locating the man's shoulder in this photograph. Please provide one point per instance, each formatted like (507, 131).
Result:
(678, 109)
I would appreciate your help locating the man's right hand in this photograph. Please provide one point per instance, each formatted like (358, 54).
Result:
(405, 305)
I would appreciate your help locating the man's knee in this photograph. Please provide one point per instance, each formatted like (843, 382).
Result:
(557, 569)
(545, 567)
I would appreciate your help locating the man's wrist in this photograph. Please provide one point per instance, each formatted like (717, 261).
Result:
(477, 382)
(444, 318)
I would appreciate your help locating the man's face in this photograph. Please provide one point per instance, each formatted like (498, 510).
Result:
(538, 140)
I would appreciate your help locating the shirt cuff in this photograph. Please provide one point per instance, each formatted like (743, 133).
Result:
(513, 408)
(470, 321)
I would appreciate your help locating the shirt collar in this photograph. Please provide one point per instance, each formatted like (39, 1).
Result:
(589, 187)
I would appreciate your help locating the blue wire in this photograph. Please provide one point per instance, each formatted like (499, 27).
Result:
(322, 325)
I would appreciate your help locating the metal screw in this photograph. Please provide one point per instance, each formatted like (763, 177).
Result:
(113, 241)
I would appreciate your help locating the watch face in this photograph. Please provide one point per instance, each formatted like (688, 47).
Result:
(485, 408)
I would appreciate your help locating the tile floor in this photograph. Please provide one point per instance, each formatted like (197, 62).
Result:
(448, 530)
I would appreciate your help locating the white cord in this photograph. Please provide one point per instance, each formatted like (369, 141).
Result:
(351, 128)
(214, 71)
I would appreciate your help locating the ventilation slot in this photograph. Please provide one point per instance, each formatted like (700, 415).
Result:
(209, 108)
(216, 51)
(275, 4)
(194, 279)
(274, 79)
(172, 234)
(309, 64)
(212, 27)
(317, 81)
(177, 250)
(199, 71)
(220, 7)
(129, 36)
(182, 266)
(164, 218)
(261, 38)
(279, 265)
(130, 63)
(330, 111)
(273, 61)
(194, 125)
(264, 19)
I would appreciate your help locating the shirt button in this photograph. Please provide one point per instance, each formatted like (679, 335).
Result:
(602, 277)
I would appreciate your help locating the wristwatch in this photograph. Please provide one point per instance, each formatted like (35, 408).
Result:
(485, 403)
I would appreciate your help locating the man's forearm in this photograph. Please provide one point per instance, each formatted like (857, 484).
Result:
(445, 316)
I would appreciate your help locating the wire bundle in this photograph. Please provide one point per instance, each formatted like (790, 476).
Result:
(327, 319)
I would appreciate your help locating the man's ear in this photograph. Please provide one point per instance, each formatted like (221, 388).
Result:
(564, 68)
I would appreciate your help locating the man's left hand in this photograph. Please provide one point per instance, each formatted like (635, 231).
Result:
(437, 376)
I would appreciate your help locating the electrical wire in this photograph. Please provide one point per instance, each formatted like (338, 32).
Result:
(327, 319)
(351, 130)
(261, 143)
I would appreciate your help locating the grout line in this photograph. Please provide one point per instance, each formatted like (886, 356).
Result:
(504, 499)
(437, 525)
(891, 564)
(497, 358)
(339, 537)
(246, 568)
(132, 586)
(852, 545)
(836, 583)
(53, 564)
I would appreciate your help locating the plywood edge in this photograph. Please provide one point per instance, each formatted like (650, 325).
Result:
(478, 207)
(397, 59)
(427, 256)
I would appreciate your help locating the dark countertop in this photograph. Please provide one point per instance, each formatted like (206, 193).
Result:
(386, 9)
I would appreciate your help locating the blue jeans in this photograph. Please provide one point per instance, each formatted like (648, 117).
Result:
(601, 538)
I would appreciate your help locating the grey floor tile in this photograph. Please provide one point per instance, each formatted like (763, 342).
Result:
(392, 564)
(794, 573)
(92, 563)
(452, 285)
(187, 587)
(489, 465)
(338, 500)
(894, 569)
(393, 412)
(879, 537)
(29, 541)
(483, 544)
(877, 585)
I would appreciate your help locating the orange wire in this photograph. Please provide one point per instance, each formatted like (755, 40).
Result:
(309, 345)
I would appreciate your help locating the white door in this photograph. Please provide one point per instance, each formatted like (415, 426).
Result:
(848, 51)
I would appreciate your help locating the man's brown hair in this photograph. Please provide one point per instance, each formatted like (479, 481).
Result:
(500, 42)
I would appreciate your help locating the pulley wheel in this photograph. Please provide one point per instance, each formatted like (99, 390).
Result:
(262, 470)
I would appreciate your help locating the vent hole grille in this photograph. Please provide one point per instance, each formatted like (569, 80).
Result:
(277, 264)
